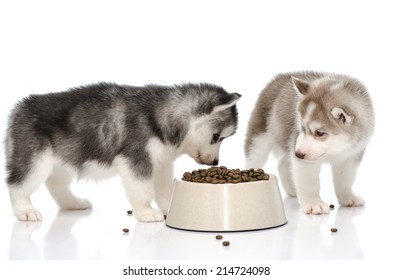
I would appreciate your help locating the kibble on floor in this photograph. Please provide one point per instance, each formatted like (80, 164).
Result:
(226, 243)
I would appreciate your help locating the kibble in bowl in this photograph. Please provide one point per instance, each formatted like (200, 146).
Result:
(220, 199)
(223, 175)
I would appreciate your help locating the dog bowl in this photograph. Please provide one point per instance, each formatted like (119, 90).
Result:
(226, 207)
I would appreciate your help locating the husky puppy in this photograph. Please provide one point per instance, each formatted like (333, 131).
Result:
(136, 132)
(305, 119)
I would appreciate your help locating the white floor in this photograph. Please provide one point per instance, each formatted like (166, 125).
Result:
(363, 232)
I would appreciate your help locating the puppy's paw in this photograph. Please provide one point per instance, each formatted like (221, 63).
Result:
(351, 200)
(316, 208)
(163, 207)
(149, 216)
(76, 204)
(290, 191)
(28, 215)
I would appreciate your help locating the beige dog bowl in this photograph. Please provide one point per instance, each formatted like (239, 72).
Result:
(226, 207)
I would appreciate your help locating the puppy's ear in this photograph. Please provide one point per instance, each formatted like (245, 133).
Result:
(232, 99)
(342, 116)
(301, 86)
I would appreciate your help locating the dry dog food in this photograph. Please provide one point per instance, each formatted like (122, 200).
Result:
(126, 230)
(129, 212)
(222, 175)
(226, 243)
(333, 230)
(331, 206)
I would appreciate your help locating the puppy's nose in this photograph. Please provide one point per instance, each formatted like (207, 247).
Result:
(215, 162)
(300, 155)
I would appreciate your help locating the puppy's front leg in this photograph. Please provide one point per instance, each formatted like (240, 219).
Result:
(306, 178)
(163, 182)
(140, 193)
(344, 175)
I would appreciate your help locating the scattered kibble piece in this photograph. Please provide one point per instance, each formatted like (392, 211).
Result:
(222, 175)
(129, 212)
(331, 206)
(126, 230)
(226, 243)
(333, 230)
(218, 237)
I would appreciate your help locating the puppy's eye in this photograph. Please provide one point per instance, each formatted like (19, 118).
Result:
(319, 133)
(216, 137)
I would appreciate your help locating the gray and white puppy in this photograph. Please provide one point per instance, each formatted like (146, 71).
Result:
(305, 119)
(106, 129)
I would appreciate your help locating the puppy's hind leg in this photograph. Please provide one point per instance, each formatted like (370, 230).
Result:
(59, 183)
(21, 203)
(21, 191)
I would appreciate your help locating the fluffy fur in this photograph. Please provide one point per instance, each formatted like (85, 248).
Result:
(305, 119)
(136, 132)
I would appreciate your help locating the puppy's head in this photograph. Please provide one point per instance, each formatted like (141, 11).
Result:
(325, 119)
(217, 121)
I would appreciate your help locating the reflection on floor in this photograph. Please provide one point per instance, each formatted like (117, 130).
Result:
(93, 234)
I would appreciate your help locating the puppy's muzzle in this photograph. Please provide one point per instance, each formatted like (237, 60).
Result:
(214, 163)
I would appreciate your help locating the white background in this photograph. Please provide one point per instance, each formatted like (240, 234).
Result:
(48, 46)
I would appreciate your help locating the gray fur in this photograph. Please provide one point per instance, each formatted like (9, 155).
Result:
(100, 122)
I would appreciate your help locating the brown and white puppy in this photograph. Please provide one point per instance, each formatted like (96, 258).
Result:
(306, 119)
